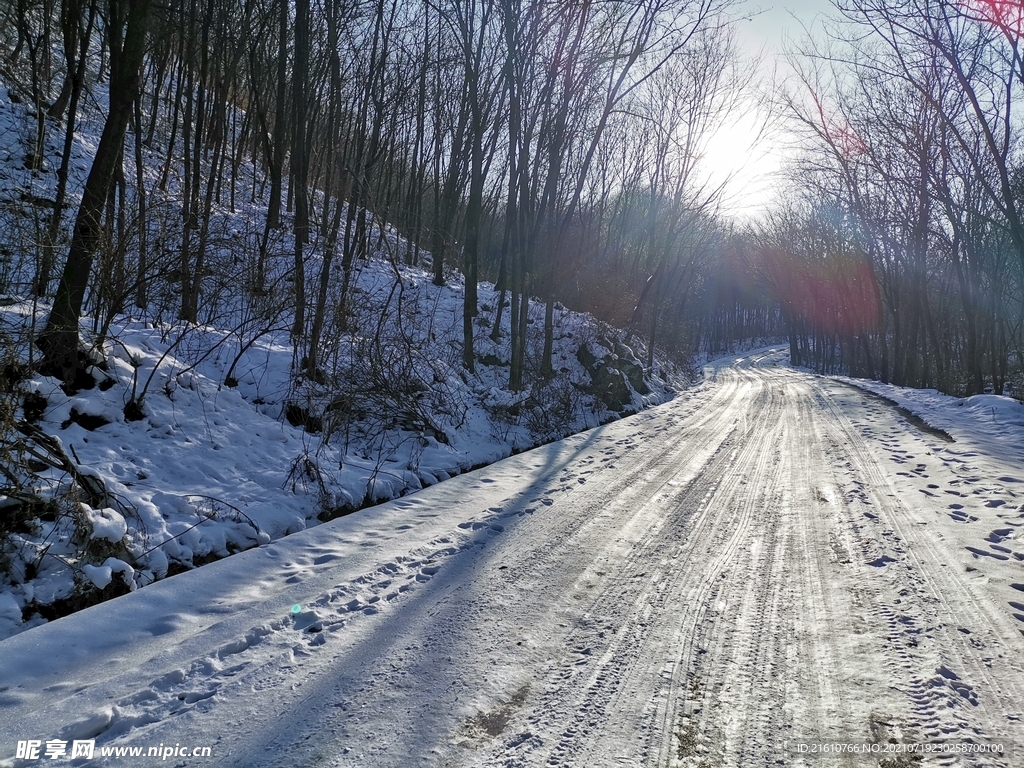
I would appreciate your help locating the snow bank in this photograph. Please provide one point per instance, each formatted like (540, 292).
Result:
(991, 421)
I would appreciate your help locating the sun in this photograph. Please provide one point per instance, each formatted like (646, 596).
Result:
(744, 156)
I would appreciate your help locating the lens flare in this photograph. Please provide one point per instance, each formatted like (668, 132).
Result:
(1007, 15)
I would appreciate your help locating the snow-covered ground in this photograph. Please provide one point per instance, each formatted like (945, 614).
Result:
(212, 469)
(993, 423)
(770, 560)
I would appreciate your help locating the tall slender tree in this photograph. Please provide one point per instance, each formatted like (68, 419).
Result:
(126, 26)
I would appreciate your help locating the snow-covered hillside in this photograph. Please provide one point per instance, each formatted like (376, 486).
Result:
(200, 440)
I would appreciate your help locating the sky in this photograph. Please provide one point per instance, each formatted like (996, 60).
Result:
(734, 150)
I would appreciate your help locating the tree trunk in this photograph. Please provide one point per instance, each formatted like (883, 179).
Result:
(73, 83)
(300, 163)
(280, 121)
(60, 340)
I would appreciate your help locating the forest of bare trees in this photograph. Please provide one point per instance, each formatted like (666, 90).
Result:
(552, 148)
(901, 257)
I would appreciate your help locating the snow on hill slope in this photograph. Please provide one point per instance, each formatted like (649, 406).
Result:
(198, 440)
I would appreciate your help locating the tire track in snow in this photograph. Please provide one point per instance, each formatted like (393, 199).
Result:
(717, 630)
(941, 681)
(747, 665)
(592, 697)
(606, 710)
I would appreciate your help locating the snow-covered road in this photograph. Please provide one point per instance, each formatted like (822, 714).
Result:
(772, 559)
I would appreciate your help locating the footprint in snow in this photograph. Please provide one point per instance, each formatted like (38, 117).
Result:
(168, 681)
(235, 646)
(164, 626)
(193, 697)
(882, 561)
(949, 678)
(139, 697)
(307, 621)
(982, 553)
(91, 727)
(963, 517)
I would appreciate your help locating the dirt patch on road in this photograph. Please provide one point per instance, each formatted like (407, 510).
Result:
(494, 722)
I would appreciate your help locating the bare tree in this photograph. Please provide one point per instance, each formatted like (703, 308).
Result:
(126, 34)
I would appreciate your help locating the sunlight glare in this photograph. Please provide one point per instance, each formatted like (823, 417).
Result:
(742, 156)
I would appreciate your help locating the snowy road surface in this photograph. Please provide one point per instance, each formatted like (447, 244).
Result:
(769, 560)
